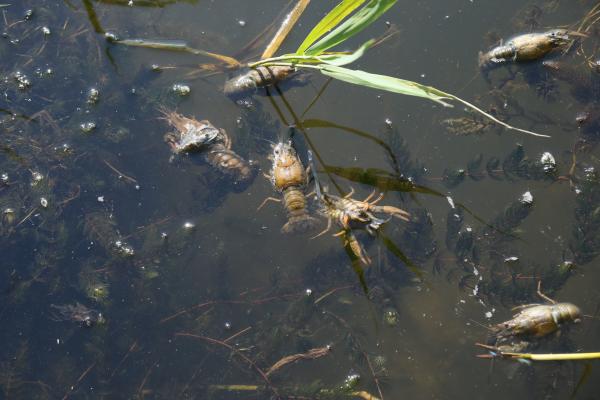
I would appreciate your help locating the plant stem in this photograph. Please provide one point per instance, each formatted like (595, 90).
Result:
(554, 357)
(285, 28)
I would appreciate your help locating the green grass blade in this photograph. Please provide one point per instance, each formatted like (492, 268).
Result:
(387, 83)
(356, 23)
(339, 59)
(330, 21)
(408, 88)
(333, 58)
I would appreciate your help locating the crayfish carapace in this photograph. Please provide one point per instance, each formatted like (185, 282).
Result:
(290, 178)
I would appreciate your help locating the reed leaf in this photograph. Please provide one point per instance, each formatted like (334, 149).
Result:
(409, 88)
(330, 21)
(353, 25)
(387, 83)
(329, 58)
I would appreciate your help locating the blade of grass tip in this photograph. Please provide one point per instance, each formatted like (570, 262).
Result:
(285, 28)
(353, 25)
(330, 21)
(409, 88)
(496, 120)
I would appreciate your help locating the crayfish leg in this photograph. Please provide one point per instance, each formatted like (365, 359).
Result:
(266, 201)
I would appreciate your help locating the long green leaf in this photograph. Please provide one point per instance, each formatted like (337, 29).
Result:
(387, 83)
(356, 23)
(333, 58)
(408, 88)
(329, 22)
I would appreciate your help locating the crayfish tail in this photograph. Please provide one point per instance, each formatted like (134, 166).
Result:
(300, 224)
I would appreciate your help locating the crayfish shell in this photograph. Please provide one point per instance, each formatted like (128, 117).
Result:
(253, 79)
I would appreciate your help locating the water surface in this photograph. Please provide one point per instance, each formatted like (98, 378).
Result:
(234, 274)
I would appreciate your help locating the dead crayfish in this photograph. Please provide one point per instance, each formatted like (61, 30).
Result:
(532, 322)
(215, 144)
(256, 78)
(351, 214)
(290, 178)
(527, 47)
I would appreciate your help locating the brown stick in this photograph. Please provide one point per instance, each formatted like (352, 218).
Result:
(332, 291)
(309, 355)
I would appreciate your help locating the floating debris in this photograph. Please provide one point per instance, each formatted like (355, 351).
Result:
(181, 89)
(93, 96)
(188, 226)
(124, 249)
(22, 80)
(87, 127)
(548, 162)
(36, 178)
(8, 216)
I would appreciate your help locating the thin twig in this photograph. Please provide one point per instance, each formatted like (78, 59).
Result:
(332, 291)
(237, 334)
(27, 217)
(146, 379)
(131, 349)
(121, 175)
(373, 375)
(79, 380)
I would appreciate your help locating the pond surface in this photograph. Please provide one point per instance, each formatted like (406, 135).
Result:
(129, 272)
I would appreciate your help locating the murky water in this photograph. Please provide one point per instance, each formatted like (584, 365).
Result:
(199, 291)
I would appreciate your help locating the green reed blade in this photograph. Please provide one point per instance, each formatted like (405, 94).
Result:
(353, 25)
(330, 21)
